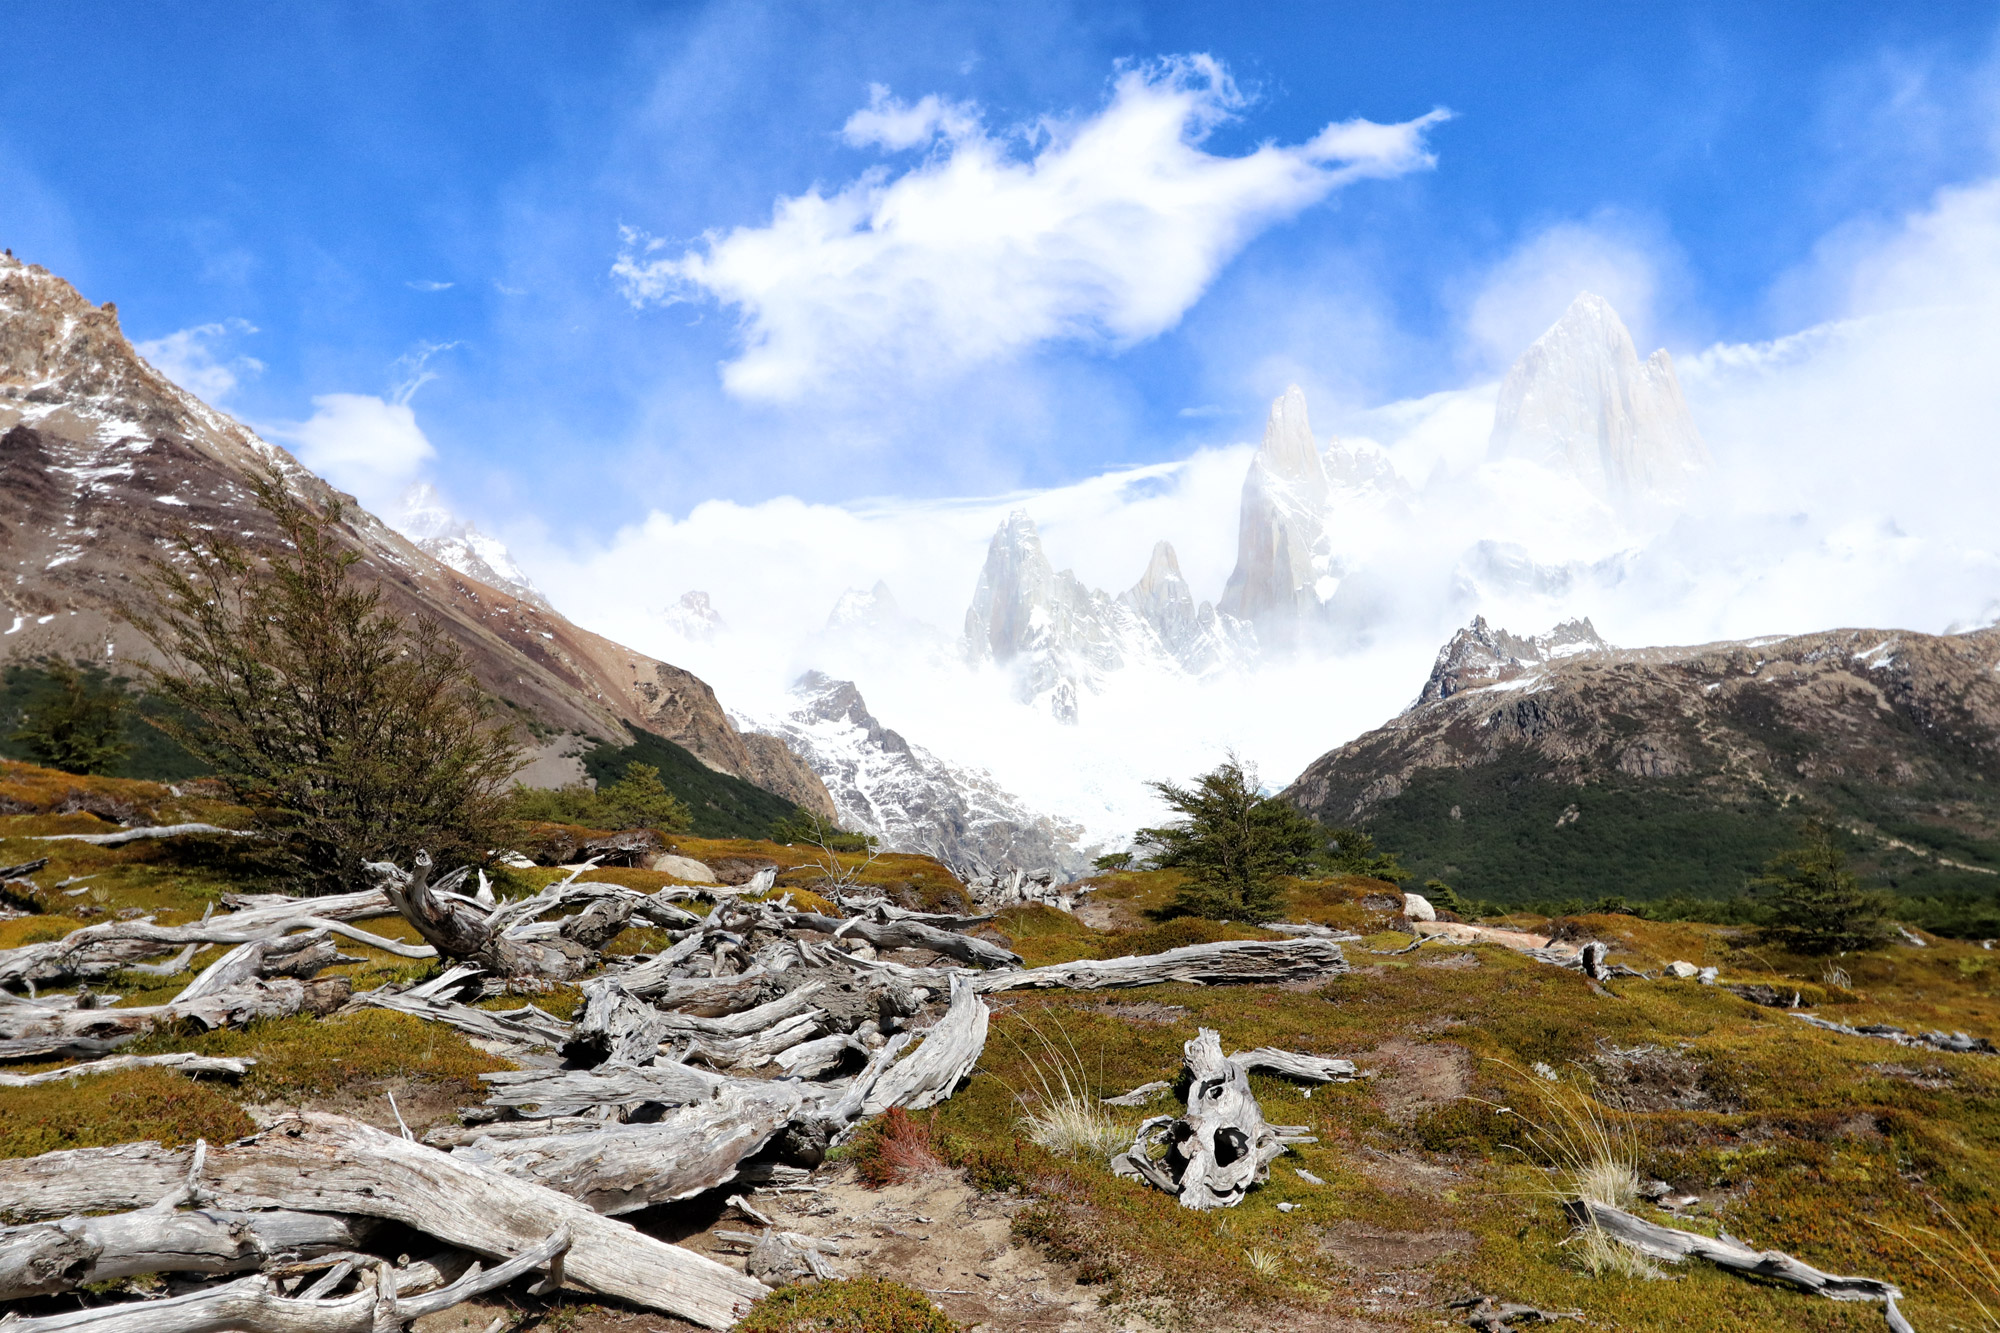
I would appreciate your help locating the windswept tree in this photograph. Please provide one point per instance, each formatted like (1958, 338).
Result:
(1233, 844)
(1816, 904)
(351, 733)
(1349, 851)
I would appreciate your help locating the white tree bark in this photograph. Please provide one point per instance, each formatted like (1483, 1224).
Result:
(1220, 1146)
(325, 1163)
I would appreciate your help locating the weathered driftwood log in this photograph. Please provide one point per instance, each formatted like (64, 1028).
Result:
(1673, 1245)
(326, 1163)
(234, 1007)
(1223, 963)
(1306, 1068)
(615, 1026)
(457, 927)
(57, 1047)
(1219, 1147)
(1957, 1042)
(526, 1026)
(44, 1258)
(910, 934)
(138, 834)
(542, 1093)
(227, 1065)
(254, 1306)
(299, 956)
(622, 1168)
(951, 1047)
(93, 953)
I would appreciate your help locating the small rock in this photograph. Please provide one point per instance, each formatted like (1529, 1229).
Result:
(1416, 907)
(1286, 1207)
(1307, 1176)
(1706, 976)
(682, 867)
(1677, 968)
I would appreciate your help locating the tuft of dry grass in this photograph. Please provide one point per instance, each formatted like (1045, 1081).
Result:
(1972, 1268)
(1064, 1110)
(1596, 1160)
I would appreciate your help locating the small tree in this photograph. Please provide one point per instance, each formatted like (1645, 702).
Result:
(1351, 852)
(1816, 904)
(1233, 845)
(351, 735)
(1113, 861)
(640, 800)
(78, 725)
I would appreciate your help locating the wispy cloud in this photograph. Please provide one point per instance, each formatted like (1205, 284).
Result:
(429, 285)
(1103, 230)
(193, 358)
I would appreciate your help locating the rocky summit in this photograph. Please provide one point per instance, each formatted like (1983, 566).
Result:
(1556, 766)
(103, 459)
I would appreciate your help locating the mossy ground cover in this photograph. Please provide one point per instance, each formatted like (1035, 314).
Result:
(1794, 1138)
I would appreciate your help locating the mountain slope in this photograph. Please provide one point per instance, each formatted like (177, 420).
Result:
(102, 459)
(912, 800)
(1558, 767)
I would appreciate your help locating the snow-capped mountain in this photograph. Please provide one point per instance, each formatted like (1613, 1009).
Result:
(1063, 639)
(443, 535)
(1580, 401)
(911, 799)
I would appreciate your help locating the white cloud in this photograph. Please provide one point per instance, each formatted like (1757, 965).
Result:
(362, 444)
(191, 359)
(1105, 230)
(428, 285)
(891, 123)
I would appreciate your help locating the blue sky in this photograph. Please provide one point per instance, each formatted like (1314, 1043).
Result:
(299, 184)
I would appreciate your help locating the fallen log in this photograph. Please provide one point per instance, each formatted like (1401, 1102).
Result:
(622, 1168)
(124, 836)
(1219, 1147)
(254, 1306)
(1306, 1068)
(232, 1066)
(542, 1093)
(459, 928)
(325, 1163)
(1956, 1042)
(950, 1049)
(93, 953)
(45, 1258)
(1222, 963)
(298, 956)
(615, 1027)
(1673, 1245)
(910, 934)
(526, 1026)
(234, 1007)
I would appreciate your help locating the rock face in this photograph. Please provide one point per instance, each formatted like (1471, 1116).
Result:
(1281, 540)
(102, 458)
(909, 798)
(1479, 655)
(694, 619)
(1064, 640)
(1290, 579)
(1688, 766)
(1580, 401)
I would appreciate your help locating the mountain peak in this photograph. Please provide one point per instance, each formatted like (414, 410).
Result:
(425, 519)
(1281, 530)
(1480, 655)
(1579, 400)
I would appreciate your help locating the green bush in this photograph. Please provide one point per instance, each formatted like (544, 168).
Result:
(858, 1305)
(1233, 845)
(1351, 852)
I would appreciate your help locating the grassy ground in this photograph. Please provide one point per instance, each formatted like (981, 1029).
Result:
(1792, 1138)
